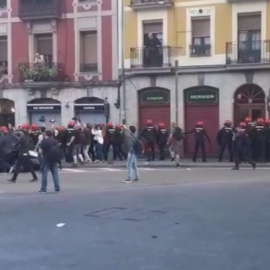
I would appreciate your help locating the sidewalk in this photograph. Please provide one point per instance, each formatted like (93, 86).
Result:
(185, 163)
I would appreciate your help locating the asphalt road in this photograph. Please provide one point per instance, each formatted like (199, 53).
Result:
(174, 219)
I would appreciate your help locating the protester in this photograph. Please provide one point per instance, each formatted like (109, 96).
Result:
(51, 154)
(134, 148)
(98, 138)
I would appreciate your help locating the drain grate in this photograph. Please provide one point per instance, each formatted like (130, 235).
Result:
(127, 214)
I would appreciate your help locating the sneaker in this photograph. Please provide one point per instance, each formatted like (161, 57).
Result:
(254, 165)
(33, 180)
(42, 191)
(136, 180)
(11, 181)
(127, 181)
(57, 190)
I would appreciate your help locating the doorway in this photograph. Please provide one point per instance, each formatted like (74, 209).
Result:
(249, 101)
(7, 112)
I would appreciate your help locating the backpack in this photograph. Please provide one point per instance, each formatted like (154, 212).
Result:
(178, 134)
(137, 146)
(55, 154)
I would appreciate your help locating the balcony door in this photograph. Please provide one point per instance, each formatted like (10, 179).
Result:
(152, 52)
(249, 39)
(44, 46)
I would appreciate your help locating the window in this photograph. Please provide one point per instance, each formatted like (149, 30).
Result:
(44, 46)
(200, 37)
(89, 51)
(249, 38)
(3, 4)
(3, 55)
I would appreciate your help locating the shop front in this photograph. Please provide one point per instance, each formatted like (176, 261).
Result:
(154, 104)
(44, 111)
(92, 110)
(7, 112)
(201, 104)
(249, 101)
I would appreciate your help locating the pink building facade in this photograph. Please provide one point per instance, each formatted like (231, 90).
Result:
(58, 58)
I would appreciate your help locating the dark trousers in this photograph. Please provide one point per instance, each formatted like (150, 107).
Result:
(120, 152)
(259, 150)
(222, 149)
(201, 146)
(25, 162)
(113, 145)
(161, 147)
(69, 157)
(241, 152)
(92, 151)
(150, 150)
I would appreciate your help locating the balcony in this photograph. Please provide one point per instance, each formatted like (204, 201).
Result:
(200, 50)
(46, 72)
(248, 52)
(150, 58)
(39, 9)
(150, 4)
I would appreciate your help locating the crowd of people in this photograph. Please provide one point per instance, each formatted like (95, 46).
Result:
(81, 143)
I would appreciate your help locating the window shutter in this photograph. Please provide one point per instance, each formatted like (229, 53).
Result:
(201, 28)
(252, 22)
(89, 48)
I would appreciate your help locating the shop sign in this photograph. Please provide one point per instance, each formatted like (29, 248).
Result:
(91, 108)
(43, 107)
(202, 96)
(155, 97)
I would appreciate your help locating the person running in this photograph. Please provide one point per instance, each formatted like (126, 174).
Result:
(134, 146)
(24, 146)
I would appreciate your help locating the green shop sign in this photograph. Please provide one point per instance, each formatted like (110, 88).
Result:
(155, 96)
(202, 96)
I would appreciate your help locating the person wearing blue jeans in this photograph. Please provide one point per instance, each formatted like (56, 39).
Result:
(133, 145)
(51, 154)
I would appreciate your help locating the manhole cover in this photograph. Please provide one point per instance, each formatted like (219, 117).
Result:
(126, 214)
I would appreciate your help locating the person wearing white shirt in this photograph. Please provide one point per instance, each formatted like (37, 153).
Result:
(98, 138)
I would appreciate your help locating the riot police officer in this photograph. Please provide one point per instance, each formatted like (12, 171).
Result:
(69, 133)
(267, 139)
(34, 134)
(241, 146)
(200, 135)
(119, 140)
(225, 139)
(110, 140)
(149, 135)
(259, 140)
(162, 139)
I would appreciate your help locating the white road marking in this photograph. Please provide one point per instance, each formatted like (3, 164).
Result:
(112, 169)
(74, 170)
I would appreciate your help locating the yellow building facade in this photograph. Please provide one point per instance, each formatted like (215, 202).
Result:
(196, 60)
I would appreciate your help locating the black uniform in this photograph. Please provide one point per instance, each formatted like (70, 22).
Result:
(241, 148)
(200, 136)
(225, 139)
(259, 139)
(24, 146)
(34, 137)
(119, 140)
(267, 143)
(110, 138)
(149, 135)
(162, 139)
(69, 133)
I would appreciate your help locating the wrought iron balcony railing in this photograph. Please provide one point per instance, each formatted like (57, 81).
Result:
(150, 57)
(39, 9)
(141, 4)
(247, 52)
(200, 50)
(91, 68)
(41, 72)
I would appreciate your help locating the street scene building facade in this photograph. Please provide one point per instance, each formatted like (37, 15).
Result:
(189, 61)
(58, 59)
